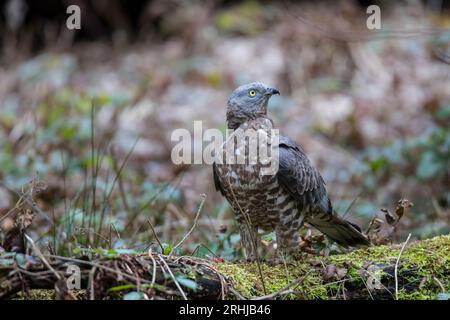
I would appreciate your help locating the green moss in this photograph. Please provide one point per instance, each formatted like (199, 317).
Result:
(245, 278)
(421, 264)
(417, 295)
(46, 294)
(36, 294)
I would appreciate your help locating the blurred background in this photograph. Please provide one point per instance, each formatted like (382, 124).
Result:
(86, 115)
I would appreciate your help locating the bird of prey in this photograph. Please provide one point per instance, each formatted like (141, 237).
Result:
(282, 201)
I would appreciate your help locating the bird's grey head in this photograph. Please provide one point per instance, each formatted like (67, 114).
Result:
(248, 102)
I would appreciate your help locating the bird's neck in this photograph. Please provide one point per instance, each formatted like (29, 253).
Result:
(260, 122)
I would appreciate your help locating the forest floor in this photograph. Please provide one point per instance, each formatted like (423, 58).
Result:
(418, 270)
(85, 138)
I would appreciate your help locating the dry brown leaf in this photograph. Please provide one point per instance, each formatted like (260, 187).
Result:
(329, 272)
(402, 207)
(24, 219)
(341, 273)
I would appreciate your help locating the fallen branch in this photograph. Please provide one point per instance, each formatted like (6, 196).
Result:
(419, 270)
(396, 266)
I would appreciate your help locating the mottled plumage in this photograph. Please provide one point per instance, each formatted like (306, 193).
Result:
(282, 201)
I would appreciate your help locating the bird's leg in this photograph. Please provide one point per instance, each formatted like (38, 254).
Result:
(288, 240)
(249, 240)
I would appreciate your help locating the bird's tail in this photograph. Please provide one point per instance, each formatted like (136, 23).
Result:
(339, 230)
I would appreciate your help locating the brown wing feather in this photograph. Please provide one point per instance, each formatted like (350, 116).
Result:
(216, 179)
(307, 187)
(300, 178)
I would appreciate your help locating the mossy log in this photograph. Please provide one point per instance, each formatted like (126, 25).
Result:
(422, 271)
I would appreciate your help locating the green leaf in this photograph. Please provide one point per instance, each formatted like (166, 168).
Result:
(21, 260)
(6, 262)
(167, 248)
(134, 295)
(428, 166)
(122, 287)
(126, 251)
(270, 237)
(188, 283)
(443, 296)
(378, 164)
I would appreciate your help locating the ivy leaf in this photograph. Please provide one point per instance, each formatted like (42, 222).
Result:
(21, 260)
(134, 295)
(443, 296)
(428, 166)
(188, 283)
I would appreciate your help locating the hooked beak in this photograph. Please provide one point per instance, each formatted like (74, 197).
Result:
(272, 91)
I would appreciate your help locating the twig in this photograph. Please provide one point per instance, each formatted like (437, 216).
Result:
(396, 266)
(367, 288)
(115, 229)
(41, 256)
(28, 201)
(286, 290)
(91, 283)
(285, 264)
(236, 293)
(122, 193)
(342, 285)
(100, 157)
(150, 254)
(94, 164)
(156, 236)
(173, 277)
(193, 225)
(94, 264)
(440, 284)
(201, 245)
(351, 204)
(9, 212)
(64, 185)
(207, 264)
(223, 282)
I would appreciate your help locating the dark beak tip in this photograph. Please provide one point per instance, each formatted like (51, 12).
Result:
(273, 91)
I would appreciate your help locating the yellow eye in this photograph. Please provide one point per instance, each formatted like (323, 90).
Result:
(252, 93)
